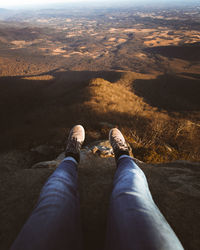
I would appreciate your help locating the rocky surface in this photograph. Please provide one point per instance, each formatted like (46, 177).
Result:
(175, 188)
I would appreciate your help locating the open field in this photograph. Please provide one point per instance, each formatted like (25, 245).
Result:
(47, 65)
(101, 40)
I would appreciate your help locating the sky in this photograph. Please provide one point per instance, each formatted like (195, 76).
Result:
(11, 3)
(21, 3)
(15, 3)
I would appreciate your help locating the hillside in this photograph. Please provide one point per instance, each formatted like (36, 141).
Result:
(41, 109)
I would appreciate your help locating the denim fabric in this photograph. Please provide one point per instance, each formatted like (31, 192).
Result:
(134, 221)
(55, 222)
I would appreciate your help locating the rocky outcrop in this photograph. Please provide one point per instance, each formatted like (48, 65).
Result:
(175, 188)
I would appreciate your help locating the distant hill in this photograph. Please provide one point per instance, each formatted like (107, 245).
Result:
(3, 10)
(5, 13)
(188, 52)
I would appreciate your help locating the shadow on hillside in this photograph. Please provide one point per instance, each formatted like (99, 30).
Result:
(188, 52)
(42, 108)
(169, 92)
(35, 112)
(195, 76)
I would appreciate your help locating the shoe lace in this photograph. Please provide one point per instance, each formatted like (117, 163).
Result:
(73, 145)
(119, 144)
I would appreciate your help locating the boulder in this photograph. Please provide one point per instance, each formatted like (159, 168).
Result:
(43, 149)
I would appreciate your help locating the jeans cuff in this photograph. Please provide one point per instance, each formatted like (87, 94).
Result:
(125, 156)
(69, 158)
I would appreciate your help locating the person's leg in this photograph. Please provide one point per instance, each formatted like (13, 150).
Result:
(55, 222)
(134, 221)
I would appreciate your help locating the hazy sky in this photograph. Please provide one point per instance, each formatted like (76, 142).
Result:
(10, 3)
(19, 3)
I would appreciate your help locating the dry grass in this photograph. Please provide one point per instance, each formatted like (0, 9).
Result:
(154, 135)
(39, 78)
(41, 109)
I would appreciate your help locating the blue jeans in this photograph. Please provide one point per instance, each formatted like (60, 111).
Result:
(134, 221)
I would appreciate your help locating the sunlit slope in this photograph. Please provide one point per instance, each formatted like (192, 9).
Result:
(40, 109)
(156, 133)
